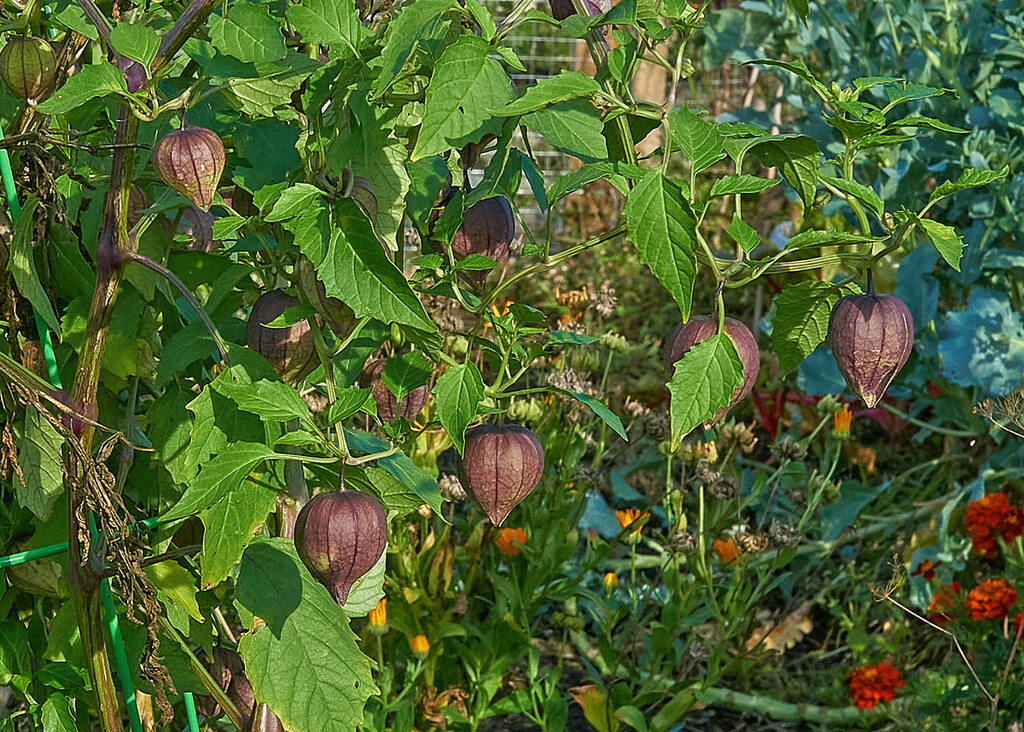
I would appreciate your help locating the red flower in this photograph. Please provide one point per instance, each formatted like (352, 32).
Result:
(940, 609)
(991, 600)
(872, 684)
(926, 569)
(990, 515)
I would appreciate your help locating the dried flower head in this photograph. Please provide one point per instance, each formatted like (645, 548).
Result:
(783, 536)
(684, 542)
(753, 543)
(1006, 412)
(991, 600)
(451, 488)
(596, 477)
(700, 450)
(788, 449)
(571, 380)
(604, 301)
(510, 541)
(737, 435)
(991, 515)
(870, 684)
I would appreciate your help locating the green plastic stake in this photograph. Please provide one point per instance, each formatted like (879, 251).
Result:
(190, 709)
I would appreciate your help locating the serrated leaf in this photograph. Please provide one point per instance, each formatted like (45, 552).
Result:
(574, 127)
(348, 402)
(663, 228)
(402, 374)
(357, 272)
(224, 472)
(293, 201)
(698, 140)
(39, 455)
(175, 582)
(296, 438)
(415, 23)
(589, 173)
(562, 87)
(333, 23)
(396, 496)
(732, 184)
(458, 394)
(230, 524)
(945, 239)
(928, 123)
(970, 178)
(273, 401)
(56, 715)
(799, 68)
(400, 466)
(743, 234)
(94, 80)
(366, 591)
(466, 83)
(828, 237)
(22, 265)
(272, 87)
(248, 33)
(306, 637)
(137, 42)
(801, 319)
(703, 383)
(861, 192)
(796, 158)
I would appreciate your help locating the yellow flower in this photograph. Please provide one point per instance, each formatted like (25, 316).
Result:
(631, 516)
(510, 541)
(727, 551)
(611, 581)
(420, 645)
(379, 618)
(841, 423)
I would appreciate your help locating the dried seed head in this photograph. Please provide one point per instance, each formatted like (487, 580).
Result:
(339, 537)
(292, 350)
(871, 337)
(501, 465)
(191, 161)
(29, 67)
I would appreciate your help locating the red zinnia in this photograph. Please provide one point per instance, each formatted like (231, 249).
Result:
(940, 609)
(872, 684)
(990, 515)
(991, 600)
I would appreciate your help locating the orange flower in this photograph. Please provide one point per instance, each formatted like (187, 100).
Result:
(872, 684)
(944, 602)
(378, 618)
(990, 515)
(510, 541)
(727, 551)
(611, 581)
(630, 516)
(420, 645)
(991, 600)
(841, 423)
(926, 569)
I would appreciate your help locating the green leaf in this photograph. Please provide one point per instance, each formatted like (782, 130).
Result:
(928, 123)
(900, 91)
(743, 183)
(801, 7)
(565, 337)
(366, 591)
(970, 178)
(743, 234)
(483, 18)
(945, 239)
(273, 401)
(230, 524)
(357, 272)
(348, 402)
(402, 374)
(248, 33)
(796, 158)
(333, 23)
(578, 179)
(222, 473)
(574, 126)
(307, 637)
(137, 42)
(698, 140)
(94, 80)
(800, 69)
(828, 237)
(466, 83)
(458, 394)
(39, 455)
(397, 497)
(56, 715)
(400, 466)
(801, 319)
(566, 85)
(272, 87)
(413, 24)
(293, 201)
(861, 192)
(600, 409)
(663, 228)
(382, 160)
(703, 383)
(22, 265)
(176, 583)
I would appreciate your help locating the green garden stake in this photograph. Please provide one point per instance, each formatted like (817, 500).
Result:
(190, 709)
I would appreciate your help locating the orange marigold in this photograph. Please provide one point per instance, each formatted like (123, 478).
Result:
(870, 684)
(991, 600)
(510, 541)
(990, 515)
(944, 602)
(727, 551)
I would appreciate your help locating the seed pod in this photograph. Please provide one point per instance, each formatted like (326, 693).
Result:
(562, 9)
(339, 316)
(191, 161)
(388, 408)
(339, 537)
(487, 228)
(291, 351)
(501, 466)
(365, 196)
(871, 337)
(696, 329)
(29, 67)
(224, 667)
